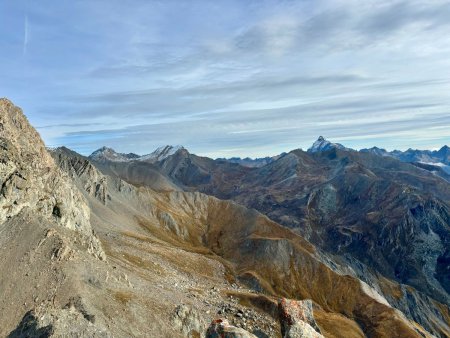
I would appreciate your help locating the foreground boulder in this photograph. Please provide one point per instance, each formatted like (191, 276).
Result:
(221, 328)
(297, 319)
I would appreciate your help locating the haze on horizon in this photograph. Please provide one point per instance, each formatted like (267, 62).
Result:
(229, 78)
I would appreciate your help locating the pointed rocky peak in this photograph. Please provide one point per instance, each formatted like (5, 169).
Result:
(323, 144)
(445, 150)
(162, 153)
(443, 155)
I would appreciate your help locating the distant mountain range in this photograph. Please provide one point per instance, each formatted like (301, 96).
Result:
(437, 160)
(251, 162)
(108, 154)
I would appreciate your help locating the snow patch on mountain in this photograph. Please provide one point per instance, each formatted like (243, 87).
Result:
(161, 153)
(107, 154)
(323, 145)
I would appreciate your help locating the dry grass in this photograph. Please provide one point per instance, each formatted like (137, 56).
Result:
(334, 325)
(122, 297)
(391, 288)
(137, 261)
(139, 237)
(266, 304)
(445, 311)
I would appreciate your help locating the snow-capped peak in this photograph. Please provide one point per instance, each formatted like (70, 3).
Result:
(161, 153)
(323, 145)
(109, 154)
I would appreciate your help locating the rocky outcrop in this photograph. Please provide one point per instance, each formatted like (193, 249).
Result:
(83, 173)
(297, 319)
(29, 177)
(49, 322)
(221, 328)
(188, 321)
(32, 184)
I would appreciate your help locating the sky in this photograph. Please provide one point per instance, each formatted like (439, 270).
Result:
(229, 78)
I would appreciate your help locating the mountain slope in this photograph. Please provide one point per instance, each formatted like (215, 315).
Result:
(272, 257)
(386, 220)
(337, 199)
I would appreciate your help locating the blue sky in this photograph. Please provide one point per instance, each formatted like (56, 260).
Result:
(229, 78)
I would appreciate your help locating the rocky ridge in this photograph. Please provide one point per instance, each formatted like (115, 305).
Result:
(30, 178)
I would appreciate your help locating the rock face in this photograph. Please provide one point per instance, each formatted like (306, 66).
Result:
(30, 179)
(83, 173)
(188, 321)
(297, 319)
(221, 328)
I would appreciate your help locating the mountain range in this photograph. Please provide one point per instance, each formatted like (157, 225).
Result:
(171, 244)
(432, 159)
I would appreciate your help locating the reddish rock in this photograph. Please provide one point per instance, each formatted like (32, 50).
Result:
(297, 319)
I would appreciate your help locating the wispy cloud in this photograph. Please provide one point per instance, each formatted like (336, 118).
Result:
(25, 35)
(252, 77)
